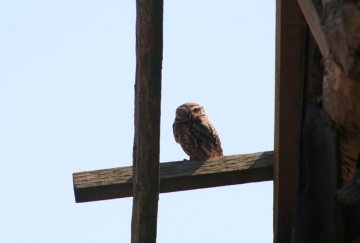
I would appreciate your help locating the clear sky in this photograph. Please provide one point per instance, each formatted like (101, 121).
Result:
(67, 73)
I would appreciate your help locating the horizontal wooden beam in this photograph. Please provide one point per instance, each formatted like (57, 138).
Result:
(177, 176)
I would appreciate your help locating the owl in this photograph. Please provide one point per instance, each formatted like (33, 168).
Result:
(194, 132)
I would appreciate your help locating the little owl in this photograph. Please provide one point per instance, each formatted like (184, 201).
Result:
(194, 132)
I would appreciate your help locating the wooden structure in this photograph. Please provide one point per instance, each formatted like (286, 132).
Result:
(317, 123)
(177, 176)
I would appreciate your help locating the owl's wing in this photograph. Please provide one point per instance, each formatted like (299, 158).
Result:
(209, 133)
(176, 132)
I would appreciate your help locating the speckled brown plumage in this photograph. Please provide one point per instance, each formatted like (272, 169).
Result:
(194, 132)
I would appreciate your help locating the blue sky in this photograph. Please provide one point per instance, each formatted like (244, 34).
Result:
(67, 72)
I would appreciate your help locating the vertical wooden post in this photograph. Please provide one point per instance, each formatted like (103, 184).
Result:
(149, 47)
(288, 110)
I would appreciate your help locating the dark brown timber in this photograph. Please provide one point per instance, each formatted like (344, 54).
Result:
(146, 150)
(288, 112)
(331, 134)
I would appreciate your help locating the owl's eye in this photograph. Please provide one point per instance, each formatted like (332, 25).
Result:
(182, 111)
(196, 110)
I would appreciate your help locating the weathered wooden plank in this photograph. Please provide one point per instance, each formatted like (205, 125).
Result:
(177, 176)
(288, 110)
(313, 20)
(146, 150)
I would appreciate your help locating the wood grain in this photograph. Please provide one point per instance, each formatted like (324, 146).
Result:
(289, 78)
(177, 176)
(146, 149)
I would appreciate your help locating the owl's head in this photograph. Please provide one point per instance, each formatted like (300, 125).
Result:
(190, 111)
